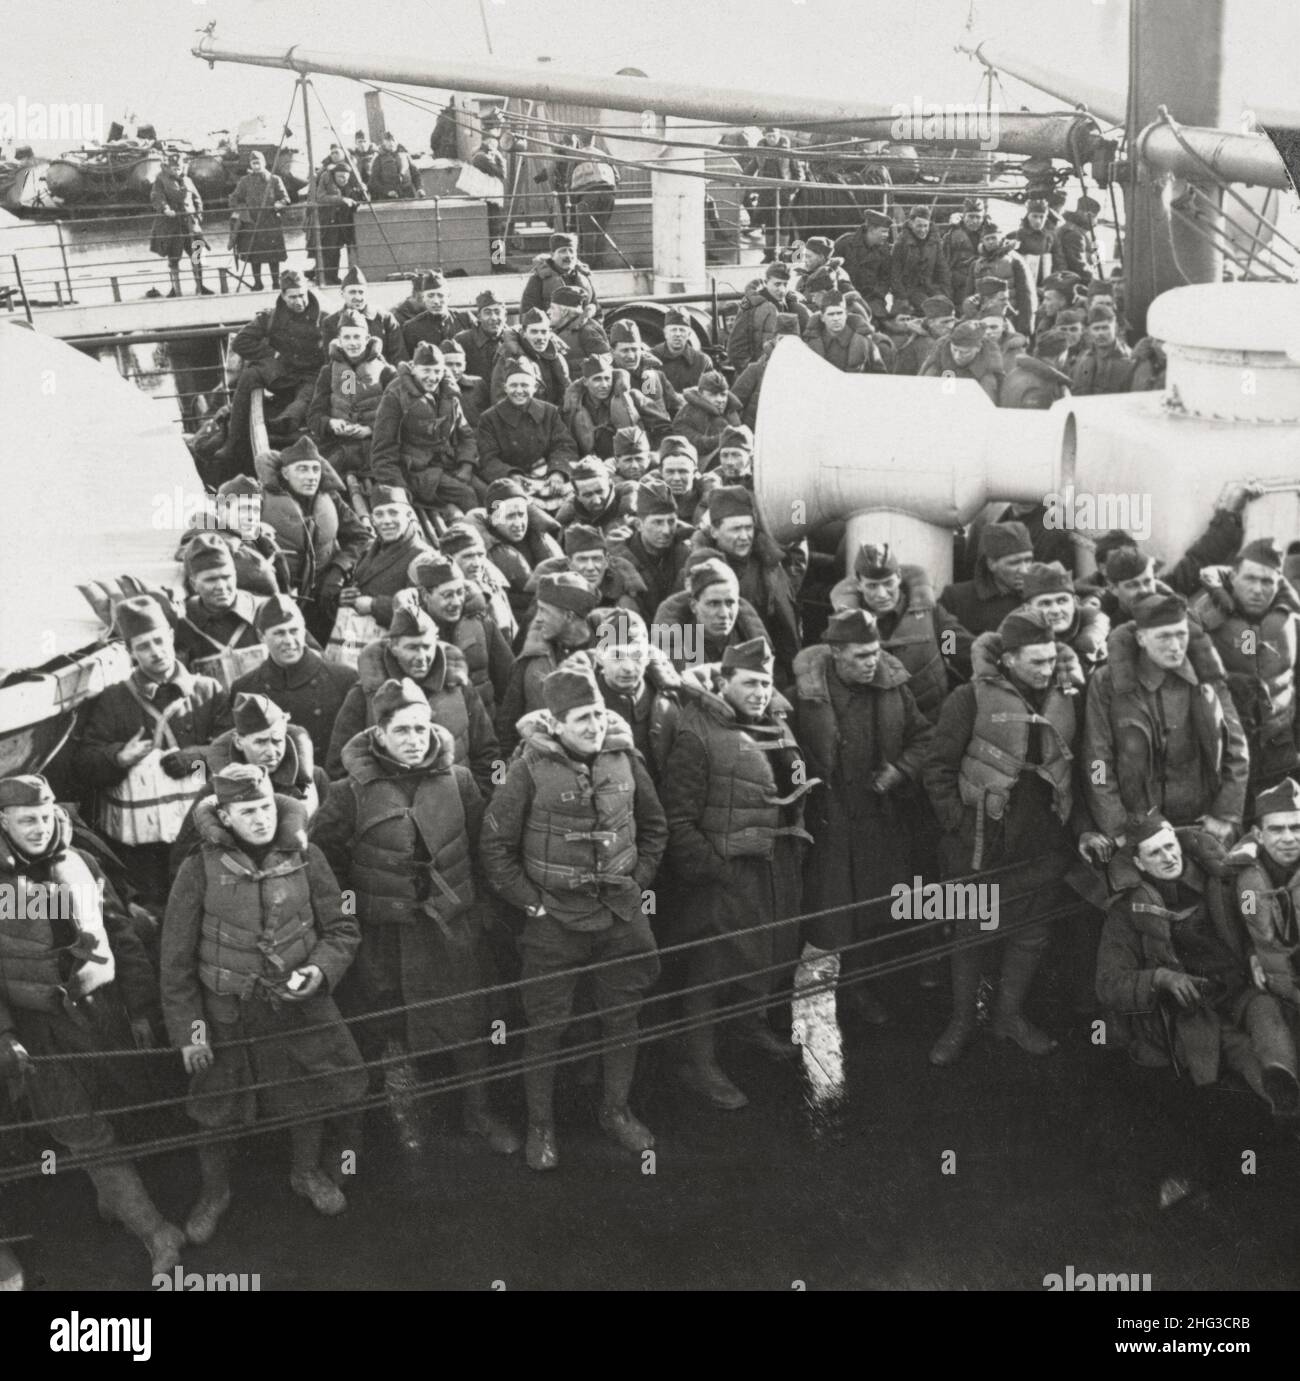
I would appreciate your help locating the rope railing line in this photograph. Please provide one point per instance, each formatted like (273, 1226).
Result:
(454, 1083)
(637, 1004)
(577, 971)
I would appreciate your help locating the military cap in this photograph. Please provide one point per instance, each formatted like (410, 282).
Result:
(851, 626)
(1159, 610)
(396, 694)
(27, 789)
(1264, 551)
(241, 781)
(206, 551)
(875, 561)
(653, 497)
(711, 572)
(384, 494)
(737, 438)
(730, 501)
(138, 615)
(754, 655)
(625, 333)
(567, 689)
(277, 610)
(1047, 578)
(410, 623)
(1277, 800)
(1024, 628)
(580, 537)
(254, 713)
(568, 591)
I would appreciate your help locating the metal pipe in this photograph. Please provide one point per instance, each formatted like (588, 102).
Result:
(313, 216)
(1106, 103)
(1047, 136)
(1249, 158)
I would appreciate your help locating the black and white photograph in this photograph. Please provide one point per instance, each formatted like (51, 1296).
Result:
(651, 647)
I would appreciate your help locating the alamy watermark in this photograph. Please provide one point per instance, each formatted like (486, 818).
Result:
(22, 121)
(931, 123)
(1083, 510)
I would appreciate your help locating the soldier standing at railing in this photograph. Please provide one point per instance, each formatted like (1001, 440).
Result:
(178, 224)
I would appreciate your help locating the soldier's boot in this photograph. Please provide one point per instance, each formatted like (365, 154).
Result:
(540, 1150)
(11, 1270)
(294, 415)
(616, 1119)
(752, 1030)
(306, 1178)
(342, 1147)
(1019, 965)
(399, 1084)
(214, 1196)
(200, 290)
(960, 1030)
(121, 1190)
(479, 1120)
(703, 1074)
(174, 272)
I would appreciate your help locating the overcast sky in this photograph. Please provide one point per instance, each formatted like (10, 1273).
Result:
(133, 55)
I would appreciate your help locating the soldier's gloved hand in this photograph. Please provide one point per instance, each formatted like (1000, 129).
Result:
(1257, 973)
(1234, 496)
(1182, 987)
(179, 764)
(1222, 830)
(15, 1062)
(197, 1058)
(314, 978)
(1095, 847)
(887, 779)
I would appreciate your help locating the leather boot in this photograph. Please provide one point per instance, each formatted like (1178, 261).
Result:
(214, 1197)
(960, 1030)
(122, 1193)
(754, 1032)
(541, 1152)
(623, 1126)
(174, 271)
(1019, 964)
(399, 1083)
(703, 1075)
(479, 1121)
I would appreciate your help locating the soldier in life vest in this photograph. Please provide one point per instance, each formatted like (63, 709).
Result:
(658, 545)
(254, 946)
(422, 442)
(1252, 615)
(317, 529)
(347, 393)
(733, 793)
(1000, 776)
(128, 749)
(1048, 588)
(866, 740)
(263, 737)
(597, 405)
(997, 259)
(573, 838)
(74, 981)
(559, 627)
(867, 257)
(216, 636)
(1038, 378)
(1173, 960)
(411, 650)
(592, 183)
(1162, 732)
(1266, 893)
(461, 616)
(637, 682)
(833, 337)
(920, 633)
(402, 829)
(551, 272)
(295, 676)
(378, 322)
(961, 242)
